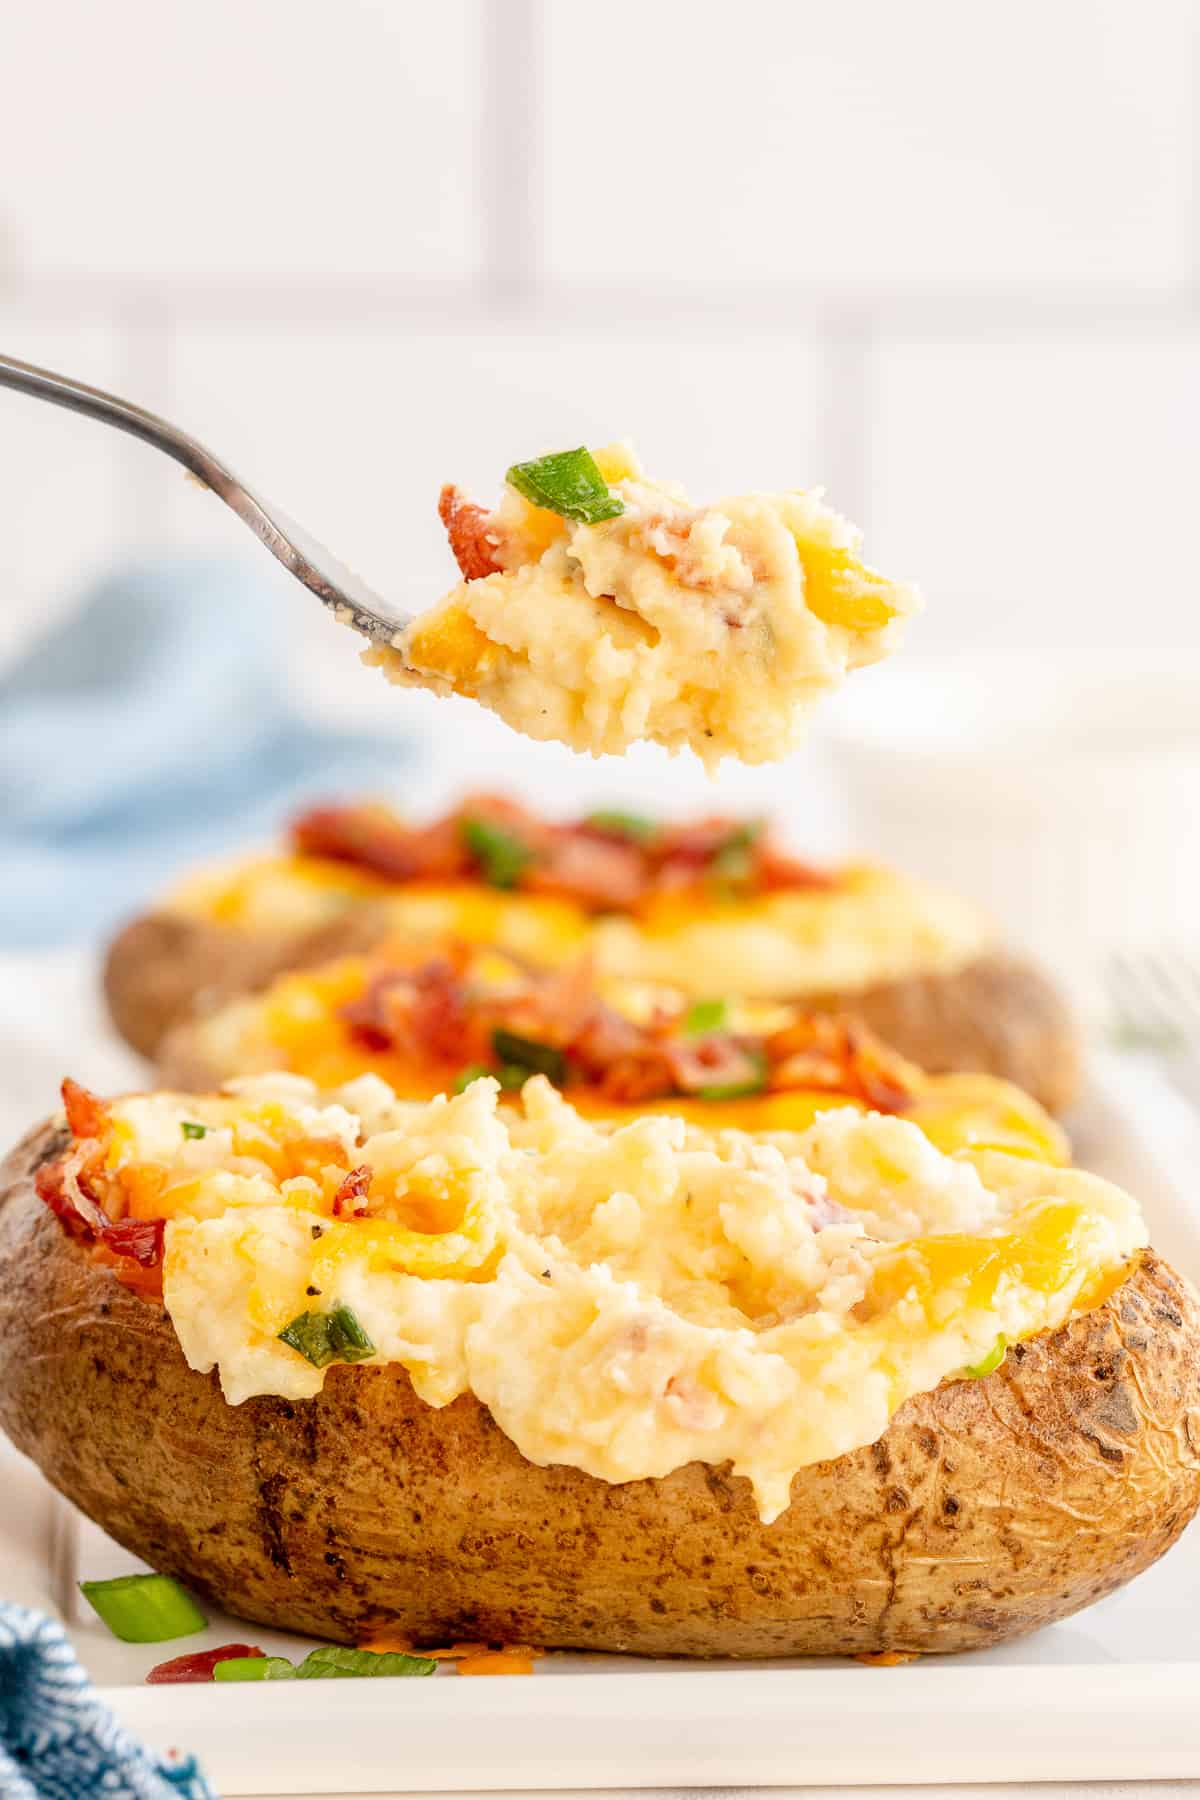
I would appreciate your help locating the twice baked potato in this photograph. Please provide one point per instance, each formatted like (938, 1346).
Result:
(350, 1366)
(714, 908)
(427, 1016)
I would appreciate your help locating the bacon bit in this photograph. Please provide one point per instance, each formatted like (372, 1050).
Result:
(717, 1060)
(838, 1053)
(139, 1239)
(887, 1659)
(778, 872)
(352, 1191)
(200, 1664)
(474, 534)
(424, 1010)
(498, 1662)
(579, 861)
(50, 1185)
(372, 838)
(87, 1114)
(603, 874)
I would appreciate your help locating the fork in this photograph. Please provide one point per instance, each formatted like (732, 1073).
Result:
(1154, 1005)
(349, 598)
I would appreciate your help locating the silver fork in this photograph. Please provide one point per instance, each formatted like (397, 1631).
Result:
(349, 598)
(1154, 1005)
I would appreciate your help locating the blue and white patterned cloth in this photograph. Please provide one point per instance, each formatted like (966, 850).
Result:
(56, 1740)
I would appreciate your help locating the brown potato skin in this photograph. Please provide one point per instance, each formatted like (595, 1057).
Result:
(999, 1014)
(988, 1508)
(165, 968)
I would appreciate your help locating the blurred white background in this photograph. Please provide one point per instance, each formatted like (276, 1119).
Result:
(942, 258)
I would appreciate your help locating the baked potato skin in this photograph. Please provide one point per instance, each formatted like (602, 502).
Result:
(987, 1509)
(164, 968)
(998, 1015)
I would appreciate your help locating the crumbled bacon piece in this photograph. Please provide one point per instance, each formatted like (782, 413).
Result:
(595, 865)
(474, 534)
(200, 1664)
(717, 1060)
(139, 1239)
(87, 1114)
(422, 1010)
(50, 1185)
(776, 871)
(820, 1050)
(371, 838)
(351, 1196)
(604, 875)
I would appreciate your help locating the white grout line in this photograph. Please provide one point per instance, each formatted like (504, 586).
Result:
(845, 414)
(563, 307)
(510, 149)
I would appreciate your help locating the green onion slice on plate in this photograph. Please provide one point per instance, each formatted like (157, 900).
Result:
(144, 1609)
(343, 1664)
(254, 1668)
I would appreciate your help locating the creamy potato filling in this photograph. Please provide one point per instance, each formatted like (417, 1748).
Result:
(714, 628)
(874, 925)
(624, 1300)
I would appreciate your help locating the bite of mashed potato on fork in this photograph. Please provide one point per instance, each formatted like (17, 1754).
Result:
(599, 608)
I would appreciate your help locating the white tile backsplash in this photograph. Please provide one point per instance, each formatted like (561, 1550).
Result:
(1044, 490)
(869, 144)
(367, 247)
(249, 139)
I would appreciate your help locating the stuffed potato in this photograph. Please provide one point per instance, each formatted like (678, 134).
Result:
(351, 1365)
(429, 1016)
(714, 908)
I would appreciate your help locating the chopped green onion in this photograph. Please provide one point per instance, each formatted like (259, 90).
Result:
(324, 1338)
(993, 1359)
(190, 1129)
(736, 1090)
(733, 863)
(512, 1077)
(144, 1609)
(342, 1664)
(529, 1054)
(350, 1342)
(569, 483)
(471, 1073)
(633, 826)
(706, 1015)
(254, 1668)
(502, 857)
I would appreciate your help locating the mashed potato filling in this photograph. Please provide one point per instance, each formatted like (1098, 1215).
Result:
(874, 925)
(624, 1300)
(713, 628)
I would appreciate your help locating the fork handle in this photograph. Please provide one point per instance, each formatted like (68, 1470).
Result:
(76, 396)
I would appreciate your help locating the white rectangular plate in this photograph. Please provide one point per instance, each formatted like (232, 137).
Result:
(1110, 1694)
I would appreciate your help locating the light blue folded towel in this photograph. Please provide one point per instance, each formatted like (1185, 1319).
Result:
(56, 1740)
(155, 728)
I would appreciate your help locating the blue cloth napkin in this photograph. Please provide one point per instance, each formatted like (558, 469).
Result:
(56, 1740)
(150, 730)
